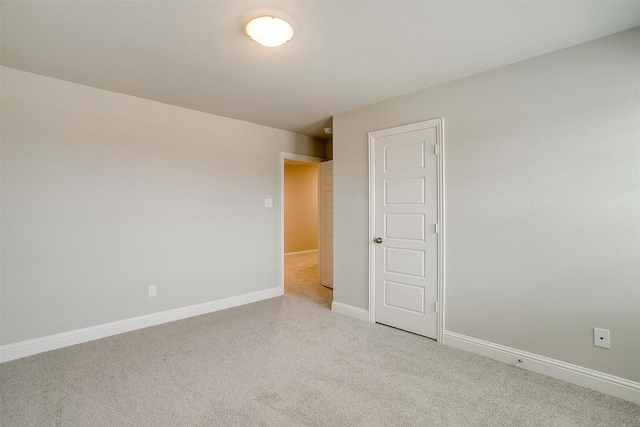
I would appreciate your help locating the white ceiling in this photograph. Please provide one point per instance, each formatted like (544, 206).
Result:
(343, 55)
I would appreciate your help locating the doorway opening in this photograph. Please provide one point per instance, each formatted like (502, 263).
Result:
(300, 239)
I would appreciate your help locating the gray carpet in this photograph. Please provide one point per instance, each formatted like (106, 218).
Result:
(288, 362)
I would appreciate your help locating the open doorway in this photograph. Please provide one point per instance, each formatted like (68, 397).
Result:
(300, 235)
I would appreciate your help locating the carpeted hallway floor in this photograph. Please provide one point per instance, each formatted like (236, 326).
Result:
(287, 361)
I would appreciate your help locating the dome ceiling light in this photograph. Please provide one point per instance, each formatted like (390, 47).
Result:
(269, 31)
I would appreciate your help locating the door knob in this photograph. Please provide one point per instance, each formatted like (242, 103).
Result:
(378, 240)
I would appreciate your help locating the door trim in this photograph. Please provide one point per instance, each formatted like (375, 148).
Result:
(301, 158)
(439, 124)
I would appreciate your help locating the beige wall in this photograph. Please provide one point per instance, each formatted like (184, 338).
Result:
(104, 194)
(542, 203)
(300, 207)
(329, 149)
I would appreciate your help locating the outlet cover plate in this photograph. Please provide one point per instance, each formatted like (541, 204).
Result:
(152, 291)
(601, 338)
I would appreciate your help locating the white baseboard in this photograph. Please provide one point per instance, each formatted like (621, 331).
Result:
(351, 311)
(301, 252)
(595, 380)
(78, 336)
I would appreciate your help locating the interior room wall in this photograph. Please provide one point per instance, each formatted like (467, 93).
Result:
(104, 194)
(542, 209)
(300, 207)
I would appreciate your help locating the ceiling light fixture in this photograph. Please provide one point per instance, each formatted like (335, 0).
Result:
(269, 31)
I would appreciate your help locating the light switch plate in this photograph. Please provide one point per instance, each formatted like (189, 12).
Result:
(601, 338)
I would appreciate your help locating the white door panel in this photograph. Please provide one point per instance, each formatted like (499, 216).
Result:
(404, 261)
(328, 262)
(404, 226)
(405, 186)
(325, 226)
(328, 199)
(329, 241)
(405, 191)
(328, 221)
(404, 156)
(404, 296)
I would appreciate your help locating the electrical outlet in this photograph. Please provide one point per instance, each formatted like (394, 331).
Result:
(268, 203)
(152, 291)
(601, 338)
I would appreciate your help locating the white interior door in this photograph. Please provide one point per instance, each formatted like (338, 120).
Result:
(325, 223)
(406, 212)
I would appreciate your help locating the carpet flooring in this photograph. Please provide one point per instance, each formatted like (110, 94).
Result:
(287, 361)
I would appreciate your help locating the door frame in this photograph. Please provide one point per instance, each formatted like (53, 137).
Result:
(288, 156)
(439, 124)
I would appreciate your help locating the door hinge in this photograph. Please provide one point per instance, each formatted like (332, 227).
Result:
(436, 306)
(435, 150)
(436, 228)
